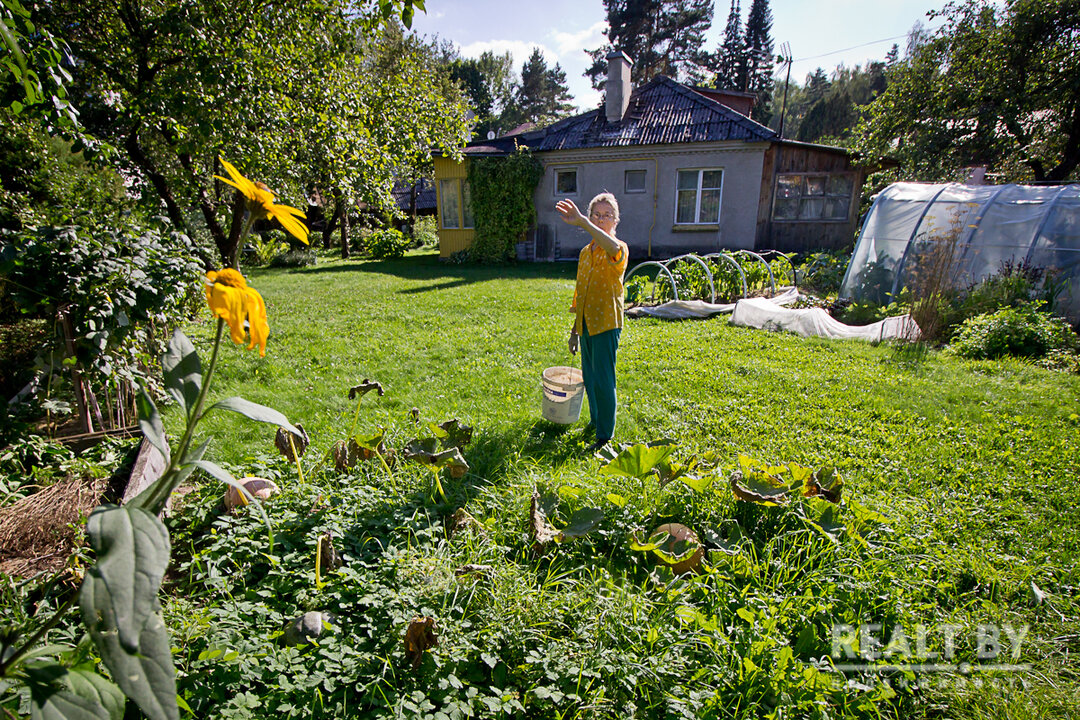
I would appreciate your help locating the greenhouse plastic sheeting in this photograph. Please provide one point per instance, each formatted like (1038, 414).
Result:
(810, 322)
(687, 309)
(979, 227)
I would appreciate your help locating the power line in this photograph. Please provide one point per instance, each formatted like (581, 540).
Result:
(854, 47)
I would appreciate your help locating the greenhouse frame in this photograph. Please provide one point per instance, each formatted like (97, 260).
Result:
(967, 233)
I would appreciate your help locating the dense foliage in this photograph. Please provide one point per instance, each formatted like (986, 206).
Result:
(1022, 331)
(386, 244)
(995, 85)
(502, 202)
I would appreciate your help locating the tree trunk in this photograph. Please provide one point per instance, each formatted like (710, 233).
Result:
(161, 185)
(230, 252)
(226, 245)
(345, 231)
(335, 218)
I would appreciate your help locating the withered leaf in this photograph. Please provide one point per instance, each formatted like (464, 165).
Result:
(419, 637)
(364, 388)
(757, 492)
(825, 483)
(346, 454)
(286, 442)
(542, 531)
(463, 520)
(473, 569)
(452, 433)
(329, 556)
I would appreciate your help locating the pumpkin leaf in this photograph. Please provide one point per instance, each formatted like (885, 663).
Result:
(617, 500)
(120, 608)
(582, 522)
(757, 491)
(257, 412)
(639, 460)
(452, 433)
(182, 371)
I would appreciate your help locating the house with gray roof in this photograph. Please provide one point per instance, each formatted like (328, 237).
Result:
(691, 172)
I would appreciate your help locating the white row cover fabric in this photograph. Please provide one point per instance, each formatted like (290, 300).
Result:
(688, 309)
(811, 322)
(981, 226)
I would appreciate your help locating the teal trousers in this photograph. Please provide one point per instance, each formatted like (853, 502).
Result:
(598, 371)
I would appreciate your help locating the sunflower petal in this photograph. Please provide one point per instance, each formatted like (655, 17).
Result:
(257, 324)
(240, 182)
(291, 224)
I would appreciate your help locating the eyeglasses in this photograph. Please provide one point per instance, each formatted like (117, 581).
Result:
(603, 216)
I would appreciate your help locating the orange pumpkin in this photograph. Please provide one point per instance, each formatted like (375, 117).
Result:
(259, 488)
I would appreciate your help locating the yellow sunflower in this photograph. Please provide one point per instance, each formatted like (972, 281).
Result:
(230, 298)
(261, 203)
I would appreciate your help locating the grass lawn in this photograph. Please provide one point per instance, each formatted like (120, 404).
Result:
(958, 512)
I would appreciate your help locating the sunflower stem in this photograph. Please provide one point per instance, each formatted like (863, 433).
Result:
(175, 459)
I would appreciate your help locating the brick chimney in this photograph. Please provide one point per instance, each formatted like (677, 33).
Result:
(618, 85)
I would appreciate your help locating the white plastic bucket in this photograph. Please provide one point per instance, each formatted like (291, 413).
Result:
(563, 390)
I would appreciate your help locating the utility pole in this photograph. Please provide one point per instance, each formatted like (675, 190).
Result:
(784, 57)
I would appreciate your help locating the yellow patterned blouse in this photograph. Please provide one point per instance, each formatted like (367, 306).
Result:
(598, 295)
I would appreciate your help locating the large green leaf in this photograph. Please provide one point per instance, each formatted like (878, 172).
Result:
(120, 605)
(150, 423)
(582, 522)
(132, 548)
(147, 677)
(182, 370)
(257, 412)
(639, 460)
(92, 686)
(52, 699)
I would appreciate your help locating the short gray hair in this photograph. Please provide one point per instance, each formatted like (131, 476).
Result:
(609, 199)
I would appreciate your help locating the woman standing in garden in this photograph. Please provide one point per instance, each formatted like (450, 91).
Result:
(598, 307)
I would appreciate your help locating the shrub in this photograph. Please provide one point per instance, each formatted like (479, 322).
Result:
(1023, 331)
(822, 272)
(637, 289)
(294, 257)
(425, 232)
(386, 244)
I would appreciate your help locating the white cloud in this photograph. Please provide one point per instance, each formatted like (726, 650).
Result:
(587, 39)
(519, 49)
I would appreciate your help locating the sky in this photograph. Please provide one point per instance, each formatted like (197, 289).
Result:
(822, 33)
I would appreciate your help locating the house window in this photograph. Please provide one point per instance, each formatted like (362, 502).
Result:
(566, 182)
(813, 196)
(455, 203)
(635, 181)
(697, 196)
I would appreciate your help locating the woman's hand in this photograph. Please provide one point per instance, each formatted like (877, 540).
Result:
(572, 343)
(570, 213)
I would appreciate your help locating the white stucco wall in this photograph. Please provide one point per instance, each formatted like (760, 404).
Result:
(648, 218)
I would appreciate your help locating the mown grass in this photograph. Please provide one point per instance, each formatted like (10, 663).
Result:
(972, 464)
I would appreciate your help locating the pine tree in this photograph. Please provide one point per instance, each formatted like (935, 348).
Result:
(543, 95)
(817, 85)
(662, 37)
(730, 68)
(758, 54)
(892, 56)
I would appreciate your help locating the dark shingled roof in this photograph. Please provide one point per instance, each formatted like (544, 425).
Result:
(661, 111)
(425, 195)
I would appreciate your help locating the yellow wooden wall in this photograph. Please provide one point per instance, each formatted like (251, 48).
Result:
(451, 240)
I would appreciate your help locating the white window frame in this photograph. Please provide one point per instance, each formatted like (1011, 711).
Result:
(697, 207)
(644, 181)
(555, 181)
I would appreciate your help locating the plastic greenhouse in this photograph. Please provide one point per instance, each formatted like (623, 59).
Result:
(978, 228)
